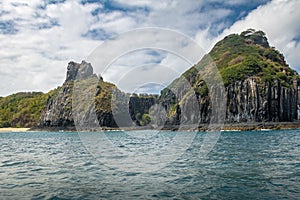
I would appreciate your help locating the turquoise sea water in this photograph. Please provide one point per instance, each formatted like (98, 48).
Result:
(242, 165)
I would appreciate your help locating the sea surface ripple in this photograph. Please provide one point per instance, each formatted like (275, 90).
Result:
(242, 165)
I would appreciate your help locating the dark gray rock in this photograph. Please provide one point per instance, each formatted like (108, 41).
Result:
(79, 71)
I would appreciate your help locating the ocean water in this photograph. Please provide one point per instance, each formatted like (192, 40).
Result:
(239, 165)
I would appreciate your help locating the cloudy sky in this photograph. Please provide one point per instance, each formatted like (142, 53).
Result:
(39, 37)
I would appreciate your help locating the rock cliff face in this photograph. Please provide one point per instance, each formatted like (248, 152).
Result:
(249, 102)
(58, 110)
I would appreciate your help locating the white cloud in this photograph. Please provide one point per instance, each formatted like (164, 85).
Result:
(204, 39)
(37, 58)
(114, 22)
(134, 50)
(185, 16)
(139, 78)
(136, 71)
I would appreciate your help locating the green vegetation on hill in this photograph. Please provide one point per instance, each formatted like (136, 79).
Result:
(21, 109)
(249, 54)
(240, 56)
(104, 96)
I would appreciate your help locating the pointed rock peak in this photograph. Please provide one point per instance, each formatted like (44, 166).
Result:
(79, 71)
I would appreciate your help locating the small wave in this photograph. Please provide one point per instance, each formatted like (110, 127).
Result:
(14, 164)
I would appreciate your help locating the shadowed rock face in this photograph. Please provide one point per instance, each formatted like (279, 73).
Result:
(249, 102)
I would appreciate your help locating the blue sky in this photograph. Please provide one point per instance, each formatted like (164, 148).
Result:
(39, 37)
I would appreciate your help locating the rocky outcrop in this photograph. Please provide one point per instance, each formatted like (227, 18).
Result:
(58, 110)
(255, 37)
(248, 101)
(96, 103)
(78, 71)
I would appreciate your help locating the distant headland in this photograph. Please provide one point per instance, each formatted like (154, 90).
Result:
(260, 92)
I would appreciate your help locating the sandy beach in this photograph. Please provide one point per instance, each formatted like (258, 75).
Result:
(13, 129)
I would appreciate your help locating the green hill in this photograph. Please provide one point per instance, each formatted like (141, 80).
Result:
(21, 109)
(259, 84)
(240, 56)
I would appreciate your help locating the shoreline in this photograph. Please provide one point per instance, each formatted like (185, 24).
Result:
(11, 129)
(262, 126)
(251, 126)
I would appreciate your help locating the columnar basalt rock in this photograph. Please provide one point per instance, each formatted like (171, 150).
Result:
(249, 102)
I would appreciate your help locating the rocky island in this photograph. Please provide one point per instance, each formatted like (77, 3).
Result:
(260, 91)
